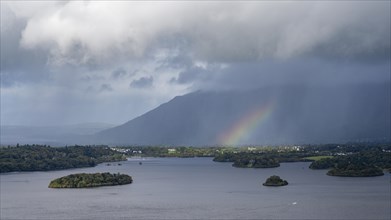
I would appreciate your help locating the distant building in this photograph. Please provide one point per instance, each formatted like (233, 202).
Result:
(137, 152)
(171, 150)
(121, 150)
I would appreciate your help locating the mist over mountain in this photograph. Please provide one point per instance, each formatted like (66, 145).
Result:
(283, 115)
(51, 135)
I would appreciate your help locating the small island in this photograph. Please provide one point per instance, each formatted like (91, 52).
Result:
(362, 164)
(275, 181)
(356, 171)
(87, 180)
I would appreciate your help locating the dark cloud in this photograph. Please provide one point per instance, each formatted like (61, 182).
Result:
(194, 73)
(236, 31)
(143, 82)
(355, 46)
(119, 73)
(190, 75)
(301, 72)
(63, 50)
(17, 64)
(105, 88)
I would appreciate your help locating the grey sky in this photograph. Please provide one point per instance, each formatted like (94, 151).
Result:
(96, 61)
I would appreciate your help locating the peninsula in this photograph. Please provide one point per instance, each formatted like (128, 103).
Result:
(29, 158)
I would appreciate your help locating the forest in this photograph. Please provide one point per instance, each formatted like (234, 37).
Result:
(370, 162)
(44, 158)
(267, 159)
(352, 159)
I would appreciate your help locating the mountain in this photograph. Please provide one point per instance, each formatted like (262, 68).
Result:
(274, 115)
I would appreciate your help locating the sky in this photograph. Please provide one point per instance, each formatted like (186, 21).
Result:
(70, 62)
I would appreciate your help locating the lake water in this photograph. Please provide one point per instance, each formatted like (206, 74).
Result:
(197, 188)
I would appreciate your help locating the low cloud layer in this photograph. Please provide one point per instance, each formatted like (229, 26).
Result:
(143, 82)
(124, 58)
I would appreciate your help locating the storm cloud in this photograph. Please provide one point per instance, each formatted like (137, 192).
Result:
(124, 58)
(81, 32)
(143, 82)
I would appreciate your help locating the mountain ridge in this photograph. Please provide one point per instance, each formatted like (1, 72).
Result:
(301, 114)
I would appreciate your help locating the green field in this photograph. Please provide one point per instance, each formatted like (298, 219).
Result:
(318, 157)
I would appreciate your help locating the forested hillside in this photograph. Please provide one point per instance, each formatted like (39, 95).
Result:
(42, 157)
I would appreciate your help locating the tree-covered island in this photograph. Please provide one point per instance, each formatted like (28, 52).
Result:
(350, 160)
(262, 159)
(86, 180)
(275, 181)
(361, 164)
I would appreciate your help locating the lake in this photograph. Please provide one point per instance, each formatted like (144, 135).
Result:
(197, 188)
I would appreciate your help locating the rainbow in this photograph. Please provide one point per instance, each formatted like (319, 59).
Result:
(245, 125)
